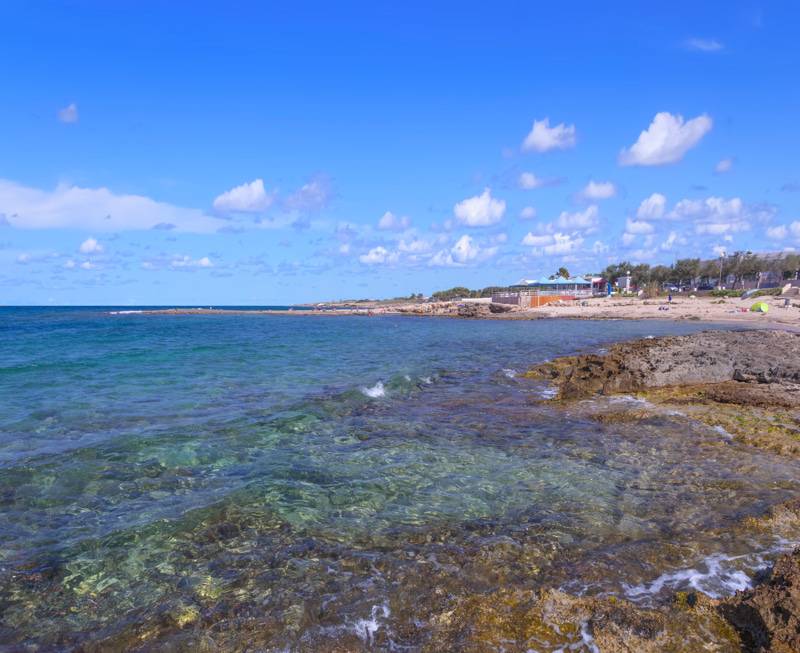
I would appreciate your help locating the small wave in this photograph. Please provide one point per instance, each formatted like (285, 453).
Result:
(649, 337)
(548, 393)
(407, 377)
(366, 628)
(714, 576)
(375, 391)
(509, 373)
(426, 380)
(124, 312)
(722, 431)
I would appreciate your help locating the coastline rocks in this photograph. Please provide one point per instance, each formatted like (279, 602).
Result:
(768, 616)
(484, 309)
(752, 357)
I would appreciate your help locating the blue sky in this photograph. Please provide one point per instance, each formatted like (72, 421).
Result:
(266, 153)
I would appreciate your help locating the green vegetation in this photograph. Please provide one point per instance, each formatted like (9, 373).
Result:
(460, 292)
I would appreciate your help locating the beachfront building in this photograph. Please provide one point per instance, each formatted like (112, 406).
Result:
(530, 294)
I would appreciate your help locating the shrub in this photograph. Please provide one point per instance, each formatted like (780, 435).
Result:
(726, 293)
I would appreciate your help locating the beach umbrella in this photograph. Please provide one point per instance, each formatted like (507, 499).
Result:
(760, 307)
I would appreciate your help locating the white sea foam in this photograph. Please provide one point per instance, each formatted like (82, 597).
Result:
(124, 312)
(509, 372)
(426, 380)
(627, 399)
(366, 628)
(548, 393)
(375, 391)
(406, 377)
(649, 337)
(722, 431)
(712, 577)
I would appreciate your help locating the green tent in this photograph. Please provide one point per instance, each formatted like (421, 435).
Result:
(761, 307)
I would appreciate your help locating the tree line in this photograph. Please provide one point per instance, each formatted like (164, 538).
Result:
(742, 265)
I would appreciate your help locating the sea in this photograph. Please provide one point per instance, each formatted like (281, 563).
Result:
(307, 482)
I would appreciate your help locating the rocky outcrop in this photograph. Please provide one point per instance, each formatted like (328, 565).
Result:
(748, 357)
(485, 309)
(768, 617)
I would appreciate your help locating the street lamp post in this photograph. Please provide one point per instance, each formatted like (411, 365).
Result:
(721, 256)
(628, 281)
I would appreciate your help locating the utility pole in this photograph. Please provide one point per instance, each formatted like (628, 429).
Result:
(721, 256)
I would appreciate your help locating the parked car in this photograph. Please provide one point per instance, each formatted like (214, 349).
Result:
(670, 287)
(705, 286)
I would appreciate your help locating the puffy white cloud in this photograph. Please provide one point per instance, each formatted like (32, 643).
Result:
(564, 245)
(795, 229)
(417, 246)
(70, 264)
(247, 198)
(376, 256)
(588, 220)
(716, 216)
(777, 233)
(724, 166)
(69, 115)
(704, 45)
(529, 181)
(480, 211)
(595, 191)
(390, 222)
(528, 213)
(666, 140)
(91, 246)
(652, 208)
(627, 239)
(544, 138)
(187, 262)
(638, 227)
(537, 241)
(465, 252)
(98, 210)
(313, 196)
(673, 240)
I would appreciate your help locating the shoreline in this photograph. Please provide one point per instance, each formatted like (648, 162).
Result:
(701, 309)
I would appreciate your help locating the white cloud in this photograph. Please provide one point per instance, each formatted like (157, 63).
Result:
(98, 210)
(529, 181)
(313, 196)
(465, 252)
(390, 222)
(87, 265)
(777, 233)
(187, 262)
(652, 208)
(564, 245)
(795, 229)
(666, 140)
(415, 247)
(627, 239)
(69, 264)
(537, 241)
(724, 166)
(704, 45)
(716, 216)
(69, 115)
(638, 227)
(528, 213)
(588, 220)
(91, 246)
(595, 191)
(480, 211)
(247, 198)
(377, 255)
(544, 138)
(673, 240)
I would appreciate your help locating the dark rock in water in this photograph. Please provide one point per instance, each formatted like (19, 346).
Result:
(756, 357)
(768, 617)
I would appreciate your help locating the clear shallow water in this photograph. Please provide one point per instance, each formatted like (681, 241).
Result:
(281, 482)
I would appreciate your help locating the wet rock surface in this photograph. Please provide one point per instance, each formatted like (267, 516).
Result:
(747, 357)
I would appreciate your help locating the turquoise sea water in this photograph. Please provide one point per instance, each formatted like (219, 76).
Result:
(275, 482)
